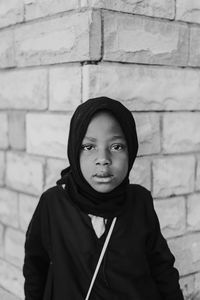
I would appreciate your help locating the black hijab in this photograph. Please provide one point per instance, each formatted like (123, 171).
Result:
(79, 191)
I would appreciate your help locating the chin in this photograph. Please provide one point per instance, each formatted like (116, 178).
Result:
(103, 189)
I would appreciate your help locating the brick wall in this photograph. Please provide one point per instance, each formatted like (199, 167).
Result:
(54, 55)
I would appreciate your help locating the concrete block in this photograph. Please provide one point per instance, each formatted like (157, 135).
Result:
(4, 295)
(173, 175)
(53, 169)
(7, 54)
(14, 246)
(188, 11)
(171, 213)
(141, 172)
(198, 174)
(180, 132)
(27, 205)
(48, 134)
(3, 130)
(129, 38)
(194, 54)
(11, 279)
(193, 212)
(154, 8)
(2, 169)
(197, 281)
(23, 89)
(17, 130)
(187, 286)
(186, 252)
(31, 173)
(40, 8)
(9, 208)
(65, 88)
(1, 240)
(73, 37)
(11, 12)
(143, 87)
(148, 130)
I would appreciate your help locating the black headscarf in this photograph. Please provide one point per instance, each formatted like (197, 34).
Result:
(80, 192)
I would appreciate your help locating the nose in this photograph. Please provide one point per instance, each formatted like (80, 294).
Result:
(103, 158)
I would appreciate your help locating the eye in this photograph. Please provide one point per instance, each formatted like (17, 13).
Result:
(87, 147)
(118, 147)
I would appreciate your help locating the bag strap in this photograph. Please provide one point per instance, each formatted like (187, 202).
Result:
(101, 257)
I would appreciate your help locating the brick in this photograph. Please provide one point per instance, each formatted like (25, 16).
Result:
(65, 88)
(198, 174)
(143, 87)
(14, 246)
(3, 130)
(171, 214)
(11, 278)
(47, 134)
(8, 207)
(4, 295)
(40, 8)
(11, 12)
(17, 130)
(27, 205)
(193, 212)
(74, 37)
(1, 240)
(7, 55)
(141, 172)
(173, 176)
(180, 132)
(53, 169)
(186, 251)
(2, 168)
(187, 286)
(194, 54)
(187, 10)
(31, 173)
(24, 89)
(197, 281)
(154, 8)
(148, 130)
(129, 38)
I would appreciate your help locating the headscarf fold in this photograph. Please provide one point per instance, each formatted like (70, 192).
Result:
(79, 191)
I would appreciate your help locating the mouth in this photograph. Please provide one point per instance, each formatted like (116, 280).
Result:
(103, 177)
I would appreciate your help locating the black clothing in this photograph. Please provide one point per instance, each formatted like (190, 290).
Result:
(90, 201)
(61, 242)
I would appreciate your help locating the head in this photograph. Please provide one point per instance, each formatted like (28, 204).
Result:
(104, 153)
(102, 144)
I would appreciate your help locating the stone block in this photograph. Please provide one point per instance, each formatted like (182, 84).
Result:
(197, 281)
(14, 246)
(171, 213)
(141, 172)
(1, 240)
(7, 55)
(11, 279)
(130, 38)
(23, 89)
(17, 130)
(180, 132)
(73, 37)
(27, 205)
(148, 131)
(8, 207)
(154, 8)
(65, 88)
(11, 12)
(173, 175)
(186, 252)
(31, 173)
(2, 168)
(4, 295)
(194, 53)
(40, 8)
(187, 286)
(188, 11)
(53, 169)
(47, 134)
(3, 130)
(193, 212)
(143, 87)
(198, 174)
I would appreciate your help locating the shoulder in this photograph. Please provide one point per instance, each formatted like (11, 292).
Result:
(52, 195)
(139, 191)
(140, 196)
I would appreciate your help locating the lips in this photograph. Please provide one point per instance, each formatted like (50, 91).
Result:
(103, 177)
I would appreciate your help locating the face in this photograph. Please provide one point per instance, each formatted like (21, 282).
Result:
(104, 153)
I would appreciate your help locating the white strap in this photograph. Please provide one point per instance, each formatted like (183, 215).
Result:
(101, 257)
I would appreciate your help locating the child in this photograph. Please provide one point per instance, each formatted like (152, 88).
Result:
(71, 222)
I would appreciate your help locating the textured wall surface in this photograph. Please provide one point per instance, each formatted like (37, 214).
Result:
(56, 54)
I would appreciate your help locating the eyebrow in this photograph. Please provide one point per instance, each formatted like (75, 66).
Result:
(115, 137)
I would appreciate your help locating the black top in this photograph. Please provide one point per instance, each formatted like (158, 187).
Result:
(62, 250)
